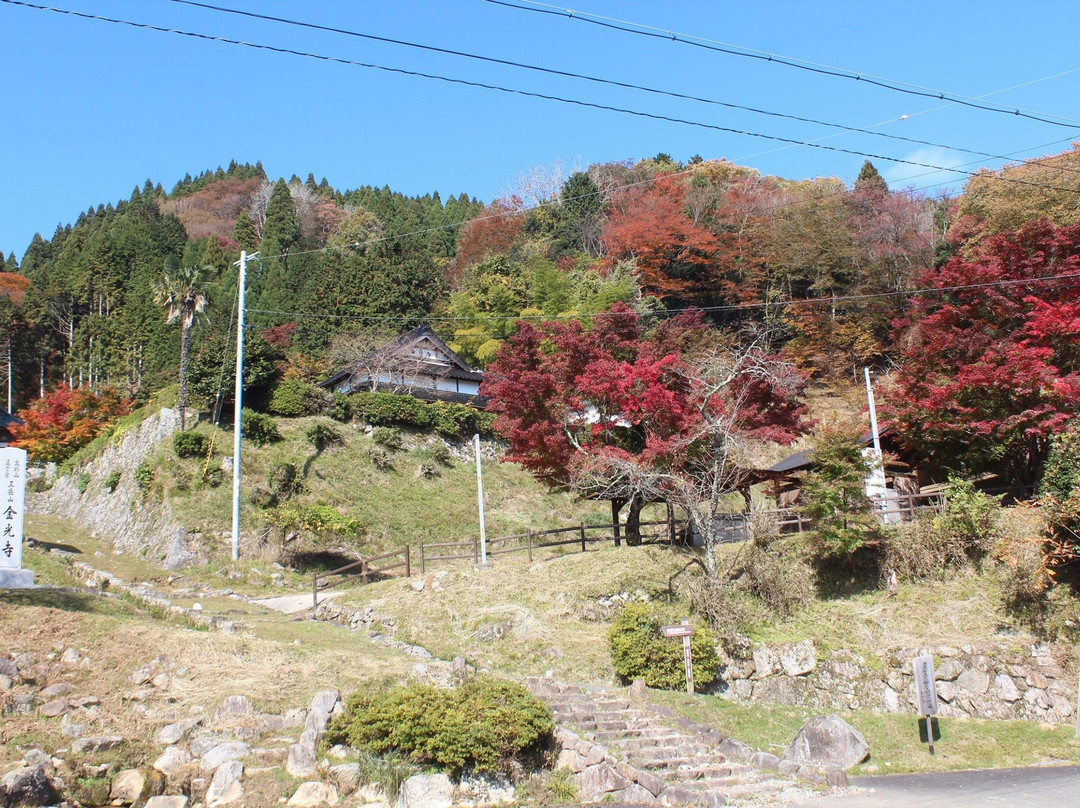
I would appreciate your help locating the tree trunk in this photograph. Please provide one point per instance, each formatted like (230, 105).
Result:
(616, 506)
(633, 521)
(185, 350)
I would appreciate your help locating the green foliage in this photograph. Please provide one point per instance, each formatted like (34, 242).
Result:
(970, 519)
(834, 498)
(322, 436)
(387, 438)
(321, 521)
(143, 475)
(284, 480)
(639, 649)
(288, 398)
(388, 409)
(258, 428)
(81, 482)
(436, 453)
(110, 482)
(340, 409)
(1061, 474)
(485, 725)
(190, 444)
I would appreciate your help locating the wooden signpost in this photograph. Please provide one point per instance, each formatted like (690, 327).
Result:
(926, 693)
(684, 630)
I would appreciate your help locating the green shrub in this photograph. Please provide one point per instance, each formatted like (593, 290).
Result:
(485, 725)
(387, 438)
(834, 498)
(322, 522)
(113, 480)
(340, 409)
(288, 398)
(82, 482)
(189, 444)
(322, 436)
(143, 476)
(639, 649)
(380, 458)
(388, 409)
(777, 572)
(436, 453)
(258, 428)
(283, 480)
(969, 520)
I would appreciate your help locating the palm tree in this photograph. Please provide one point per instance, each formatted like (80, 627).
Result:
(182, 291)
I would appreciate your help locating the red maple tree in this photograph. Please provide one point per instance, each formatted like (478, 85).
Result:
(991, 367)
(61, 423)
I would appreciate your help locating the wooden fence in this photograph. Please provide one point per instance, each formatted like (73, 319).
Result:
(364, 568)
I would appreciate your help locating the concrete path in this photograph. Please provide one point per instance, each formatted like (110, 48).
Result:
(1036, 787)
(294, 604)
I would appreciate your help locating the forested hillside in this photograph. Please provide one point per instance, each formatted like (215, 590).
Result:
(840, 278)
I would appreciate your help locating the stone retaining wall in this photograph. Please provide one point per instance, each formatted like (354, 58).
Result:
(1004, 682)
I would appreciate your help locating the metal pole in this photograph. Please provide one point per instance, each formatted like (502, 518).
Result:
(241, 283)
(480, 500)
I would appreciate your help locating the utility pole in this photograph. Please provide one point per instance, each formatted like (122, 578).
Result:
(242, 264)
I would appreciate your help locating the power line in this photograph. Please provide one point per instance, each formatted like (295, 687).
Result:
(514, 91)
(734, 307)
(748, 53)
(584, 77)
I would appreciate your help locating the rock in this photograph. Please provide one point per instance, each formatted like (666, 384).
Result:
(313, 795)
(346, 776)
(56, 691)
(171, 801)
(485, 790)
(765, 662)
(639, 691)
(973, 681)
(948, 670)
(172, 759)
(142, 676)
(426, 791)
(765, 760)
(127, 787)
(70, 658)
(226, 786)
(837, 778)
(234, 707)
(799, 658)
(96, 743)
(52, 709)
(70, 728)
(6, 682)
(322, 705)
(1006, 688)
(301, 761)
(224, 753)
(735, 750)
(29, 786)
(828, 742)
(161, 681)
(597, 781)
(171, 733)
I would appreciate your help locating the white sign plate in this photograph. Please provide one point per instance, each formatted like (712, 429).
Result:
(12, 497)
(684, 630)
(925, 688)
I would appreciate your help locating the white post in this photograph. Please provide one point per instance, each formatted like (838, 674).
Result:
(480, 500)
(876, 483)
(242, 264)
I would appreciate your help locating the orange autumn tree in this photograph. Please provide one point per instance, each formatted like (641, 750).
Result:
(61, 423)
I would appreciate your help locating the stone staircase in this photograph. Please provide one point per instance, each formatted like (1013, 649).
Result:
(625, 750)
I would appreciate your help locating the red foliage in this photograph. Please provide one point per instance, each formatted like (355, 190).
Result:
(64, 421)
(280, 336)
(990, 372)
(493, 231)
(13, 286)
(567, 397)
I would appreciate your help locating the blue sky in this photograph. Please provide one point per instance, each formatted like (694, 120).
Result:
(92, 109)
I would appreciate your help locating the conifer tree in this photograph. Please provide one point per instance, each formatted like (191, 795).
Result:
(244, 233)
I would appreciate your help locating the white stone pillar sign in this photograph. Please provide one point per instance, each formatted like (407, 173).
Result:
(12, 499)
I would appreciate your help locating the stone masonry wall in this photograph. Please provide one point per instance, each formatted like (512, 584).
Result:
(1004, 682)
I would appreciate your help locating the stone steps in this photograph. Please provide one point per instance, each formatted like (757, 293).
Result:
(654, 752)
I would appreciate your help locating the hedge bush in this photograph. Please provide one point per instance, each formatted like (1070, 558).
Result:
(258, 428)
(639, 650)
(485, 725)
(189, 444)
(287, 398)
(390, 409)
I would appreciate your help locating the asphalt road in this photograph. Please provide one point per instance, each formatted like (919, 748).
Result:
(1039, 787)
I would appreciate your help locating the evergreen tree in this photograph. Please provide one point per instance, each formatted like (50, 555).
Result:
(870, 181)
(244, 233)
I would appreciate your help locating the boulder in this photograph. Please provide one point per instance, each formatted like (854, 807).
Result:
(170, 801)
(301, 761)
(29, 786)
(598, 781)
(828, 742)
(172, 759)
(234, 707)
(127, 787)
(171, 733)
(96, 743)
(426, 791)
(314, 795)
(223, 753)
(226, 786)
(799, 658)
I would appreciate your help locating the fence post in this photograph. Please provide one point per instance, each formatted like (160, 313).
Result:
(363, 571)
(423, 571)
(314, 592)
(476, 549)
(670, 524)
(583, 537)
(408, 570)
(530, 544)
